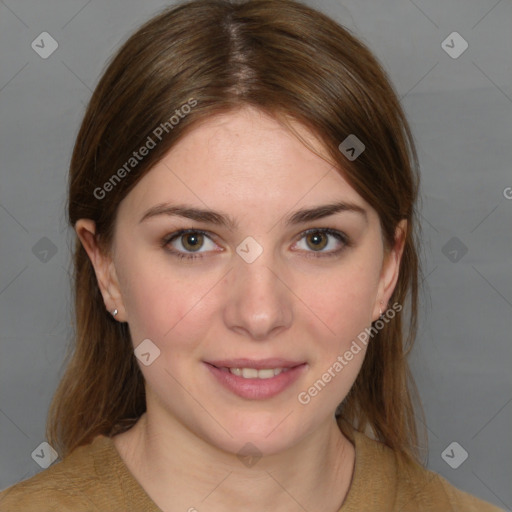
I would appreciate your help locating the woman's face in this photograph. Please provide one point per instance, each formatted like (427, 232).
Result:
(257, 283)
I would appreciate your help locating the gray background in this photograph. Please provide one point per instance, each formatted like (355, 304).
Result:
(460, 111)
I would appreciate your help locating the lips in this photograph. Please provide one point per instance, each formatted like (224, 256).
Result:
(260, 364)
(256, 379)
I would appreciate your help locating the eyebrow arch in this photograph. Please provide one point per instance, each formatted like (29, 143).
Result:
(221, 219)
(319, 212)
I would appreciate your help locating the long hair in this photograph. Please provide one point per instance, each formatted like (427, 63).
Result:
(295, 64)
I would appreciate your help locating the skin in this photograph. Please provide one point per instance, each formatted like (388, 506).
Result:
(290, 303)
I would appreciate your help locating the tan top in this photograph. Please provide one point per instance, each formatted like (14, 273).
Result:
(95, 478)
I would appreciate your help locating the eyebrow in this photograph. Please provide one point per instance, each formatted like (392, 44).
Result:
(224, 220)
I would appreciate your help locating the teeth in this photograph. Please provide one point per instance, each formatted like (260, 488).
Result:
(253, 373)
(250, 373)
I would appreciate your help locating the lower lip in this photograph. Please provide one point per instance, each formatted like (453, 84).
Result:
(257, 389)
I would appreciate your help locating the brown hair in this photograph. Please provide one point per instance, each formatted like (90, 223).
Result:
(293, 63)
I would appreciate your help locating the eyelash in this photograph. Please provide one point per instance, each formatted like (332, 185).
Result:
(341, 237)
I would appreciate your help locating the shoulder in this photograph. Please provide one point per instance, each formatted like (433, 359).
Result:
(75, 483)
(409, 487)
(460, 500)
(426, 490)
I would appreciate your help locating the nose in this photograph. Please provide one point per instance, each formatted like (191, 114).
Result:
(259, 304)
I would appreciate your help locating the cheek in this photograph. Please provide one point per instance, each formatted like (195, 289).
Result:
(161, 305)
(342, 301)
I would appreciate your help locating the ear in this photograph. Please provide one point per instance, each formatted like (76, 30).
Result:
(103, 267)
(390, 270)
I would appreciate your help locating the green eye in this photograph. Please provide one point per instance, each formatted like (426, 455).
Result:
(186, 242)
(192, 241)
(318, 239)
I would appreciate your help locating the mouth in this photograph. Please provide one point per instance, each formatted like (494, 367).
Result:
(253, 379)
(254, 373)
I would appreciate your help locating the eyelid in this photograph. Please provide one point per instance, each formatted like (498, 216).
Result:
(181, 232)
(339, 235)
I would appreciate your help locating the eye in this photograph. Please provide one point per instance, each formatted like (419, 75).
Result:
(186, 242)
(316, 240)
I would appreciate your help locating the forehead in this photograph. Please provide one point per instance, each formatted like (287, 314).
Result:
(243, 160)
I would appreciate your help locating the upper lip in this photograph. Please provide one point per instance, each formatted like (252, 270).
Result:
(258, 364)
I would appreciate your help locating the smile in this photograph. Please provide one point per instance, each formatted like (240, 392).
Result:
(254, 373)
(269, 379)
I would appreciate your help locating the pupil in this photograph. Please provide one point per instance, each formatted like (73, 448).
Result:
(192, 241)
(317, 241)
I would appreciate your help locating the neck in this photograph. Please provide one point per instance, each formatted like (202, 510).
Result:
(181, 471)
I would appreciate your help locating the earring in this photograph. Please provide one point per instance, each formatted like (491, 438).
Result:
(114, 313)
(380, 309)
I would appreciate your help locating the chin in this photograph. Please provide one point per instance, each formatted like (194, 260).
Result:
(266, 433)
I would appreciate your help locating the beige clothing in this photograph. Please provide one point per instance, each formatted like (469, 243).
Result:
(95, 478)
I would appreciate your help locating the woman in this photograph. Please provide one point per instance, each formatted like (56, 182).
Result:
(243, 191)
